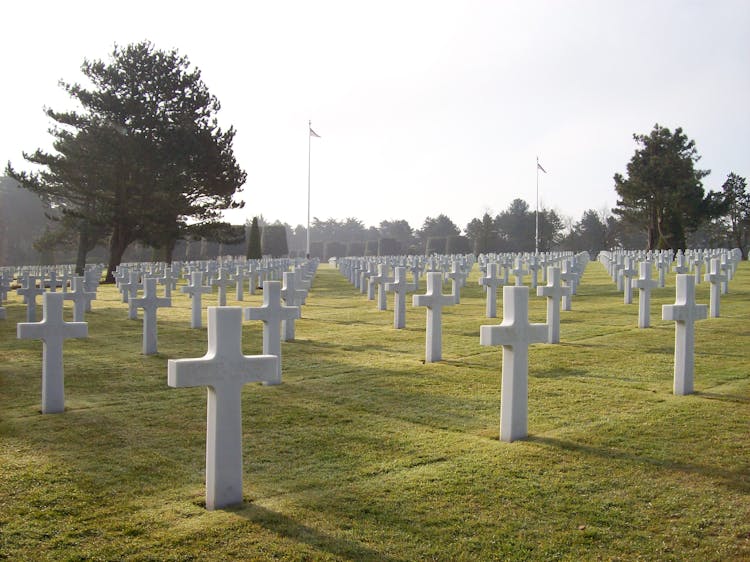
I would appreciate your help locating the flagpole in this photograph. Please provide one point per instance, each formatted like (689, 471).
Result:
(309, 135)
(536, 213)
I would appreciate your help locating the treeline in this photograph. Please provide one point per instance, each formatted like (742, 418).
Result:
(143, 171)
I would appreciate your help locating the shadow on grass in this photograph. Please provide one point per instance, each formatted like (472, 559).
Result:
(734, 480)
(724, 397)
(290, 529)
(560, 373)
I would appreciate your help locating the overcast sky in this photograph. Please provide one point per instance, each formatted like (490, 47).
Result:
(422, 107)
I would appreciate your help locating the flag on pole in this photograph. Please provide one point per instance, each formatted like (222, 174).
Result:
(538, 165)
(313, 133)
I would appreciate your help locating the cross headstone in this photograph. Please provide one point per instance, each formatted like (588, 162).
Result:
(5, 279)
(399, 287)
(239, 279)
(169, 280)
(30, 292)
(381, 279)
(52, 330)
(684, 313)
(130, 288)
(534, 267)
(515, 334)
(367, 283)
(490, 281)
(224, 370)
(292, 298)
(568, 278)
(662, 266)
(149, 303)
(252, 278)
(628, 274)
(222, 282)
(715, 279)
(518, 271)
(52, 281)
(644, 284)
(726, 269)
(91, 282)
(458, 279)
(554, 292)
(272, 313)
(81, 299)
(434, 300)
(195, 290)
(680, 266)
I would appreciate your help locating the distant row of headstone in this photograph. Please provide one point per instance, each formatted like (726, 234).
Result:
(224, 369)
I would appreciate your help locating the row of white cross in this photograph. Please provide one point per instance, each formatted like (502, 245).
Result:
(225, 369)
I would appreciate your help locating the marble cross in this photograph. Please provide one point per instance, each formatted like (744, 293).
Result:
(684, 313)
(224, 370)
(515, 334)
(149, 303)
(52, 330)
(644, 284)
(490, 281)
(554, 291)
(195, 290)
(272, 313)
(399, 287)
(434, 300)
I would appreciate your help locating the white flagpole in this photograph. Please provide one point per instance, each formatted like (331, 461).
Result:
(536, 213)
(309, 135)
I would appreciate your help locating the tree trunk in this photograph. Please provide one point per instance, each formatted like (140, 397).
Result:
(169, 251)
(83, 245)
(117, 246)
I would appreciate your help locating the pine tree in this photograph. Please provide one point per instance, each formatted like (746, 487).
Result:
(253, 242)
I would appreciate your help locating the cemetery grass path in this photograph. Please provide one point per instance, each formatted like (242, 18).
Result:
(366, 453)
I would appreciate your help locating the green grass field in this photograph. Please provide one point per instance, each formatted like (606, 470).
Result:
(366, 453)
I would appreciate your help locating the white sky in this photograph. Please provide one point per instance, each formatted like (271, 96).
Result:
(422, 107)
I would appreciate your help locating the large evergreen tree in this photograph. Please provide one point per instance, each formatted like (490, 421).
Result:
(483, 235)
(663, 194)
(162, 161)
(253, 242)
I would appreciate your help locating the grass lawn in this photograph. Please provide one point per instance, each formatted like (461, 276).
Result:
(366, 453)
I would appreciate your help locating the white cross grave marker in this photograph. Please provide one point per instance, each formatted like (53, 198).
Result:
(195, 290)
(169, 281)
(224, 370)
(52, 330)
(30, 292)
(684, 313)
(81, 299)
(518, 271)
(628, 275)
(554, 291)
(715, 279)
(239, 279)
(458, 280)
(381, 279)
(222, 282)
(272, 314)
(292, 297)
(491, 282)
(399, 287)
(434, 300)
(149, 303)
(515, 334)
(644, 284)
